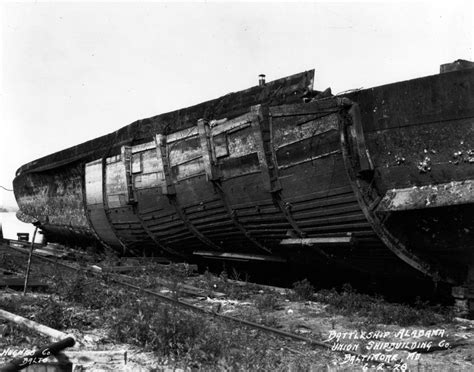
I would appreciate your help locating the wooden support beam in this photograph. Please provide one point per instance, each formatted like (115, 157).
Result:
(333, 240)
(365, 162)
(204, 137)
(239, 256)
(98, 360)
(126, 152)
(262, 134)
(162, 156)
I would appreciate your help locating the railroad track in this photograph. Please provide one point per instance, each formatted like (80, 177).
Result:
(124, 281)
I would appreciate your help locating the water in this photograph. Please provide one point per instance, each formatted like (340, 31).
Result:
(10, 226)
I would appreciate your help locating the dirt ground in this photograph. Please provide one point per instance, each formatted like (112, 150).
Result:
(414, 339)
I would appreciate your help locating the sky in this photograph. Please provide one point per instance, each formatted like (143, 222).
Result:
(71, 72)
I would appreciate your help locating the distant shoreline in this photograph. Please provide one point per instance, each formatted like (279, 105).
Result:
(7, 209)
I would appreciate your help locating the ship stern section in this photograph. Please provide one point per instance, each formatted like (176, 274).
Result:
(410, 157)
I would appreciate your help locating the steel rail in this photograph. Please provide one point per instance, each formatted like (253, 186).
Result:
(211, 313)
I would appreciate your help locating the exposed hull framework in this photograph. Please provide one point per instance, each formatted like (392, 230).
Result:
(370, 179)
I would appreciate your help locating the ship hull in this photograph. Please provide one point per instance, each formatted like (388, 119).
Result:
(378, 180)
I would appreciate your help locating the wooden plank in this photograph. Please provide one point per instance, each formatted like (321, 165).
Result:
(91, 360)
(182, 134)
(40, 328)
(229, 125)
(119, 269)
(324, 107)
(203, 128)
(94, 191)
(261, 130)
(143, 147)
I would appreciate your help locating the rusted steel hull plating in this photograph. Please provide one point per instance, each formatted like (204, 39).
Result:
(380, 179)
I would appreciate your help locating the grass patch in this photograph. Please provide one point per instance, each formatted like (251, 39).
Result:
(376, 310)
(53, 314)
(185, 339)
(88, 291)
(166, 330)
(266, 302)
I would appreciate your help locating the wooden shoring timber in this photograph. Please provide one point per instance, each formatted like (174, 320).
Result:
(239, 256)
(54, 334)
(333, 240)
(280, 290)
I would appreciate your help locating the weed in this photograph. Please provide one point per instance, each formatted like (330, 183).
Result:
(270, 321)
(266, 302)
(167, 331)
(9, 304)
(89, 292)
(303, 290)
(52, 314)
